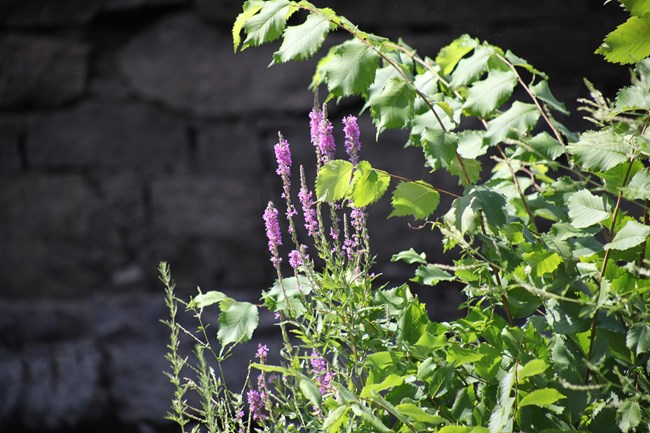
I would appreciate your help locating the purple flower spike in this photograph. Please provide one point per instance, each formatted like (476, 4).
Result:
(256, 404)
(352, 144)
(283, 157)
(295, 259)
(315, 121)
(262, 352)
(326, 141)
(273, 232)
(307, 202)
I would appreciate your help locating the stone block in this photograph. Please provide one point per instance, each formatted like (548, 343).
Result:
(47, 14)
(189, 66)
(10, 134)
(40, 72)
(229, 150)
(108, 137)
(58, 238)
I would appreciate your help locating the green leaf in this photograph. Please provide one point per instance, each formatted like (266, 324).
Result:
(629, 43)
(471, 145)
(268, 24)
(351, 70)
(632, 234)
(439, 148)
(286, 295)
(333, 180)
(639, 186)
(628, 415)
(541, 397)
(586, 209)
(514, 123)
(543, 92)
(532, 368)
(416, 413)
(412, 323)
(393, 107)
(206, 299)
(638, 338)
(369, 418)
(600, 150)
(301, 42)
(454, 429)
(250, 8)
(633, 98)
(471, 68)
(465, 211)
(431, 275)
(449, 56)
(541, 146)
(368, 184)
(335, 419)
(468, 173)
(636, 7)
(458, 356)
(391, 381)
(543, 262)
(237, 322)
(417, 199)
(311, 391)
(410, 256)
(487, 95)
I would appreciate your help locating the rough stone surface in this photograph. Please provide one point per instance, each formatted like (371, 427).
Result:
(58, 229)
(10, 135)
(185, 64)
(121, 5)
(47, 13)
(108, 136)
(40, 72)
(229, 150)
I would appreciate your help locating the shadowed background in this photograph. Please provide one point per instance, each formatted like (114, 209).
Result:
(130, 133)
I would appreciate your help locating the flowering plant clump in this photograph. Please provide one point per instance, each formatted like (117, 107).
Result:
(550, 249)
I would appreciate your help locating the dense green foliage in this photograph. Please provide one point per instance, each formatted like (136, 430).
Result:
(550, 227)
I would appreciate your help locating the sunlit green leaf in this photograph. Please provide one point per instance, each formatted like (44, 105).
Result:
(237, 322)
(417, 199)
(541, 397)
(629, 43)
(628, 415)
(586, 209)
(333, 181)
(393, 107)
(450, 55)
(205, 299)
(351, 69)
(250, 8)
(487, 95)
(368, 184)
(600, 150)
(410, 256)
(471, 68)
(632, 234)
(431, 275)
(638, 338)
(532, 368)
(514, 123)
(268, 24)
(302, 41)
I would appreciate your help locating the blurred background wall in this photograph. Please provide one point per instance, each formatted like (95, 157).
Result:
(130, 133)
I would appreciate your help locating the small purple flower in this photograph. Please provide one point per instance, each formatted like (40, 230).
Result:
(326, 141)
(295, 259)
(315, 121)
(357, 218)
(307, 202)
(283, 157)
(352, 144)
(262, 352)
(273, 232)
(256, 404)
(319, 370)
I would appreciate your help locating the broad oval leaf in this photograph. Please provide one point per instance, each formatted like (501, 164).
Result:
(335, 419)
(472, 67)
(302, 41)
(487, 95)
(268, 24)
(351, 69)
(208, 298)
(586, 209)
(449, 56)
(417, 199)
(638, 338)
(639, 186)
(514, 123)
(368, 184)
(250, 8)
(629, 43)
(629, 415)
(393, 106)
(237, 322)
(632, 234)
(542, 397)
(333, 180)
(600, 150)
(532, 368)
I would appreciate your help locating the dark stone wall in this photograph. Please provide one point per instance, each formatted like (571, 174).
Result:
(131, 133)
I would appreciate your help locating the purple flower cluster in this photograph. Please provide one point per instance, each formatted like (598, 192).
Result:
(273, 232)
(256, 404)
(307, 202)
(321, 134)
(262, 352)
(295, 259)
(319, 370)
(352, 143)
(283, 157)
